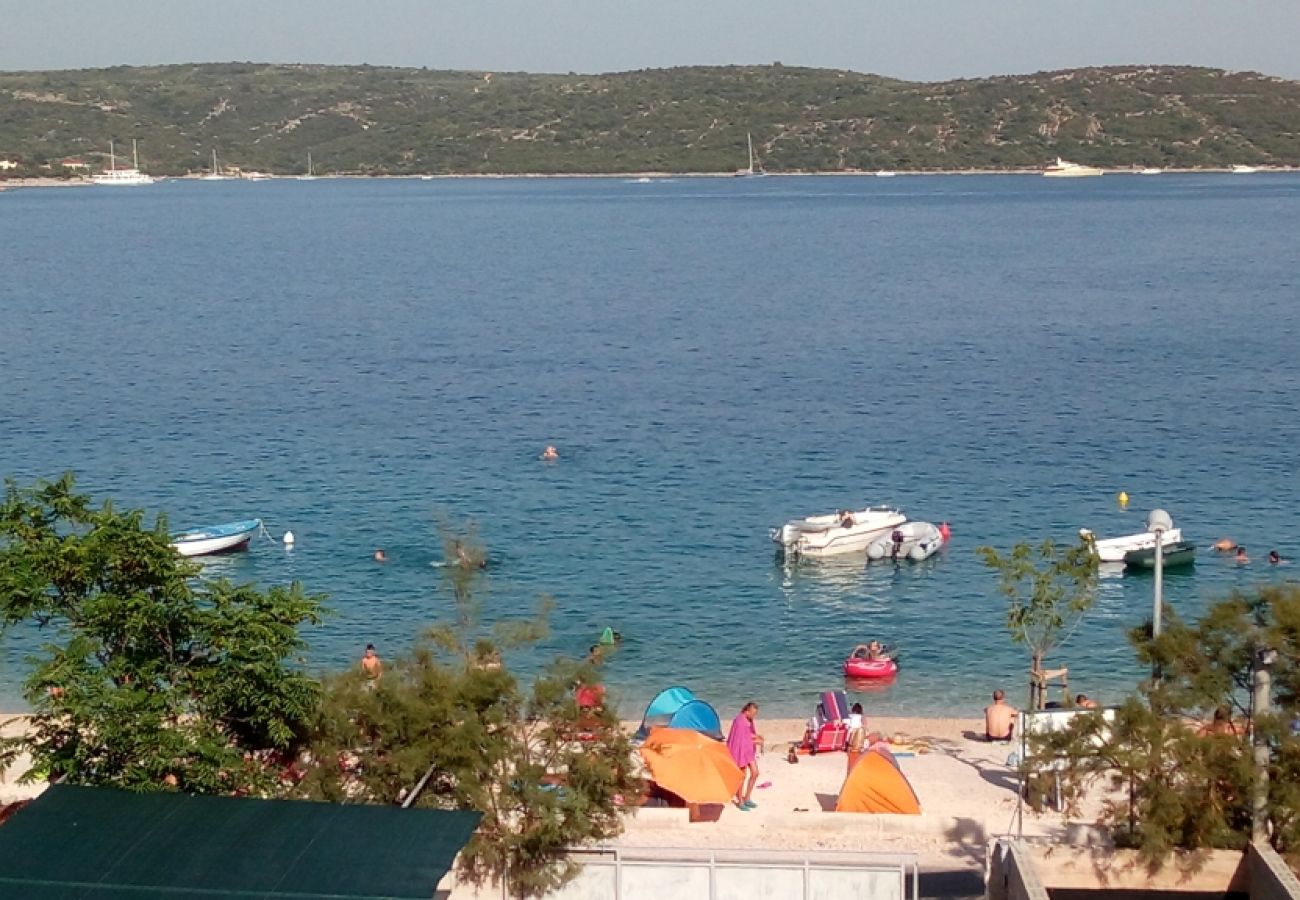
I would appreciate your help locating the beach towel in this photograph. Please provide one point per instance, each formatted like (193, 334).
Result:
(740, 740)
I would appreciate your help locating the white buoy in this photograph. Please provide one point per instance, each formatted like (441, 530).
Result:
(288, 538)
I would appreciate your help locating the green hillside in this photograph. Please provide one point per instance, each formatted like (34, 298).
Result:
(363, 119)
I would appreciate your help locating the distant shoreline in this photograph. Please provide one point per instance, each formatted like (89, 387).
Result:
(20, 183)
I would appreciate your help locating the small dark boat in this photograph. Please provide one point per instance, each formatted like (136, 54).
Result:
(1177, 554)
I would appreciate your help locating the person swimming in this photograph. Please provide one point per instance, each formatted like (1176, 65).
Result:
(380, 555)
(1274, 558)
(550, 453)
(1241, 556)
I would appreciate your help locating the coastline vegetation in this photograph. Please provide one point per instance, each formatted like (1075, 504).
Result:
(150, 677)
(1207, 752)
(369, 120)
(154, 678)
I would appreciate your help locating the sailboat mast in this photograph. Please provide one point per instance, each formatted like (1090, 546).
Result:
(112, 158)
(749, 139)
(135, 155)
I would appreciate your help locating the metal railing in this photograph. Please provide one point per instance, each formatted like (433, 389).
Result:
(632, 873)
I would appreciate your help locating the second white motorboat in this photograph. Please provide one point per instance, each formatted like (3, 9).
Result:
(847, 531)
(1112, 550)
(911, 540)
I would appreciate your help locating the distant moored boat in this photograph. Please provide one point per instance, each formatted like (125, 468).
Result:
(216, 538)
(1063, 169)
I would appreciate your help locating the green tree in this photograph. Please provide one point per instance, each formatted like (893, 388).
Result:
(1176, 759)
(1048, 590)
(152, 677)
(546, 773)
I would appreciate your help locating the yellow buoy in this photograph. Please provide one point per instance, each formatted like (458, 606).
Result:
(1123, 500)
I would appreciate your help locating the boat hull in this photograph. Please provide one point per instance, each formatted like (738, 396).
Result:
(818, 537)
(1172, 556)
(227, 538)
(1113, 550)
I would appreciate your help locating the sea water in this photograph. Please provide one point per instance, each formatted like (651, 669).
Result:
(358, 361)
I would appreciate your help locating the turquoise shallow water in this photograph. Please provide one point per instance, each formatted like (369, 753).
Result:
(352, 360)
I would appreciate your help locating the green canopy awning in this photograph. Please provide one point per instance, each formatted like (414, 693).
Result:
(103, 844)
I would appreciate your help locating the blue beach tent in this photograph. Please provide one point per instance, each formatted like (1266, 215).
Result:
(678, 707)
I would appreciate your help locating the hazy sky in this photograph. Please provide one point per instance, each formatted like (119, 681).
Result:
(914, 39)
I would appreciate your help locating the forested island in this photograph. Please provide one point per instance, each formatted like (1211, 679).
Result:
(367, 120)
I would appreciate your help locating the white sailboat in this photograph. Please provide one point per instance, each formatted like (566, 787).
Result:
(115, 177)
(753, 171)
(215, 174)
(311, 173)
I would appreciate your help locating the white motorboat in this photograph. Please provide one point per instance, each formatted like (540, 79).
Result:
(115, 177)
(1151, 171)
(216, 538)
(1112, 550)
(847, 531)
(1063, 169)
(1244, 170)
(911, 540)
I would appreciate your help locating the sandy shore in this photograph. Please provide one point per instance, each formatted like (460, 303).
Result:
(966, 790)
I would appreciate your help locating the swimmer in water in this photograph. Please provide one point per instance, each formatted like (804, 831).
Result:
(1241, 556)
(550, 453)
(1225, 545)
(1274, 558)
(380, 555)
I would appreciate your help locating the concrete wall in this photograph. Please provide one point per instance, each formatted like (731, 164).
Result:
(1022, 871)
(1012, 874)
(1270, 877)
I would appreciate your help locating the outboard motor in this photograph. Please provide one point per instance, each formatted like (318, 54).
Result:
(788, 537)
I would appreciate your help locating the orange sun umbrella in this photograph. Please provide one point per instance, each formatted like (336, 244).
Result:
(693, 766)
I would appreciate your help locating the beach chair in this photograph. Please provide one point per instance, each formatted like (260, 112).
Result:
(832, 723)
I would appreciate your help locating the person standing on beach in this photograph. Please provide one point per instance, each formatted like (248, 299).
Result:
(372, 665)
(744, 742)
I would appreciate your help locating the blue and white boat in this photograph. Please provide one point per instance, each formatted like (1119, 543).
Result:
(216, 538)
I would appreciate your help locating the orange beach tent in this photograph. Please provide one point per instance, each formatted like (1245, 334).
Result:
(875, 785)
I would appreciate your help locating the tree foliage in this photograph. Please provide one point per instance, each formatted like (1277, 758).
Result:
(1048, 590)
(545, 773)
(1174, 778)
(152, 677)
